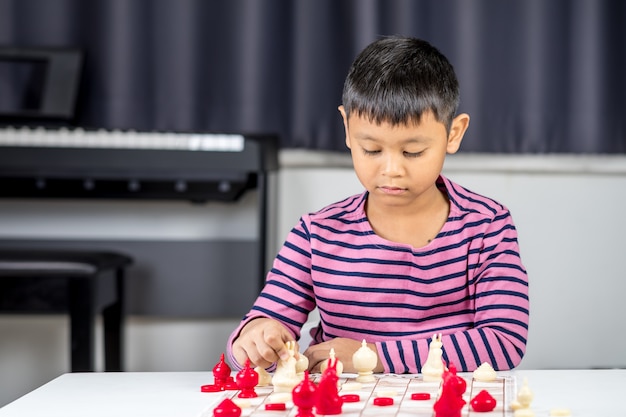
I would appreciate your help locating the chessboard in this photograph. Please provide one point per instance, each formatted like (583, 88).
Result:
(404, 396)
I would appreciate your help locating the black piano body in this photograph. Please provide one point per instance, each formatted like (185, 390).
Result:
(39, 163)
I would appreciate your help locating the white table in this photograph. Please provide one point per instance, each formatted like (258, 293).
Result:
(592, 393)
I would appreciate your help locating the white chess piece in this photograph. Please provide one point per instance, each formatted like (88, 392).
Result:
(484, 373)
(433, 368)
(331, 360)
(264, 377)
(364, 361)
(521, 405)
(302, 364)
(285, 377)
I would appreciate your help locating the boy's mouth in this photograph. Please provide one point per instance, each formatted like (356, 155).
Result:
(392, 190)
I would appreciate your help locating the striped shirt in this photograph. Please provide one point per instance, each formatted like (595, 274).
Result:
(468, 284)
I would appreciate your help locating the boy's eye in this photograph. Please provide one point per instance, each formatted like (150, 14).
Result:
(413, 154)
(368, 152)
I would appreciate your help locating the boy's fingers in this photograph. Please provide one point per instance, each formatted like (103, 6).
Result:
(283, 349)
(240, 355)
(282, 353)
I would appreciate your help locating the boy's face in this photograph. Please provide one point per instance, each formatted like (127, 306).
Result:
(399, 164)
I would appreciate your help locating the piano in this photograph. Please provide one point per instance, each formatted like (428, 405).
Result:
(36, 162)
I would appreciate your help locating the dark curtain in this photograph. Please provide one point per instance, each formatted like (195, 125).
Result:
(536, 76)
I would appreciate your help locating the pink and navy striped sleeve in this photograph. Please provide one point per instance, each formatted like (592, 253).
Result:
(469, 284)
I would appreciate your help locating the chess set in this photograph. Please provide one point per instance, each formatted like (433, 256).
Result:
(398, 395)
(437, 392)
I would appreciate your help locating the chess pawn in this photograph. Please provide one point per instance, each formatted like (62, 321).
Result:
(364, 361)
(331, 361)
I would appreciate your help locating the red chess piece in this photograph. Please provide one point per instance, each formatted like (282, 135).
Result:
(227, 408)
(221, 378)
(221, 373)
(247, 379)
(304, 396)
(483, 402)
(459, 385)
(328, 400)
(451, 401)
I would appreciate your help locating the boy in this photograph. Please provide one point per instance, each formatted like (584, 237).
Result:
(414, 255)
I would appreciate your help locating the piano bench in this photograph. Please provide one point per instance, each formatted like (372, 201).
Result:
(75, 282)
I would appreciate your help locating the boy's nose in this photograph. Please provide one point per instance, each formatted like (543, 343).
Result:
(393, 166)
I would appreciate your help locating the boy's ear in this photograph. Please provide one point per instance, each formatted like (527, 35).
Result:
(457, 130)
(342, 110)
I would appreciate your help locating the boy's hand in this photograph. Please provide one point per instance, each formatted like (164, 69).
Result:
(344, 349)
(263, 342)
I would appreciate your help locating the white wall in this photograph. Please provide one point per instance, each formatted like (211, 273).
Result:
(569, 213)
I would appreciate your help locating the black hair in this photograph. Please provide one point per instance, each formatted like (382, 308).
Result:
(396, 79)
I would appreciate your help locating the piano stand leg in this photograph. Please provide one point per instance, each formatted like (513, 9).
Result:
(113, 316)
(82, 324)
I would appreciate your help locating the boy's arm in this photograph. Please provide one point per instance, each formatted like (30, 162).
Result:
(287, 297)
